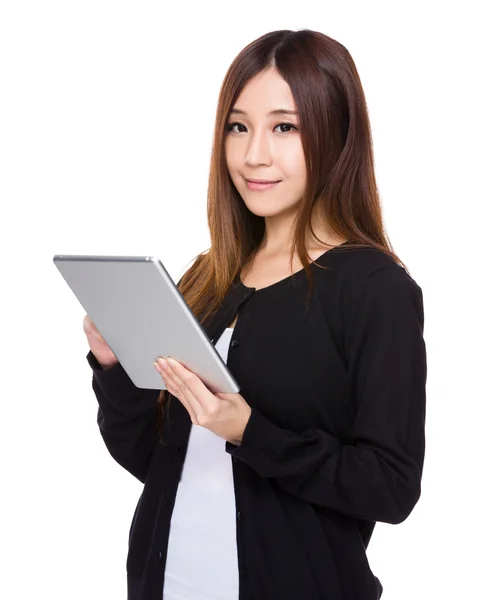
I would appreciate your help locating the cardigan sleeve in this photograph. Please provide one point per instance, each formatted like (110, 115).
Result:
(127, 417)
(376, 474)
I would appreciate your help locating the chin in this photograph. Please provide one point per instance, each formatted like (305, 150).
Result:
(267, 210)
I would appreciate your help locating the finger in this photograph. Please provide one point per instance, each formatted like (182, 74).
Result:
(177, 387)
(192, 388)
(88, 324)
(91, 329)
(171, 385)
(180, 378)
(167, 372)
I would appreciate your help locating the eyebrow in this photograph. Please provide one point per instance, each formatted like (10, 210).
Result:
(278, 111)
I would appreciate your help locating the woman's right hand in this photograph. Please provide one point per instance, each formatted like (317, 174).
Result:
(101, 350)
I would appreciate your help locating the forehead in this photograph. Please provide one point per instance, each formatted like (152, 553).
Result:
(265, 92)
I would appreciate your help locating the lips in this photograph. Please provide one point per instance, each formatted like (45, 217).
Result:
(262, 181)
(265, 185)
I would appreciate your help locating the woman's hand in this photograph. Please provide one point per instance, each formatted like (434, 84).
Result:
(225, 415)
(102, 352)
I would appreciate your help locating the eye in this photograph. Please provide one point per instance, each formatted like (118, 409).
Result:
(285, 125)
(232, 125)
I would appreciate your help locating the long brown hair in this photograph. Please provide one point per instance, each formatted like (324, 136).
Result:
(337, 144)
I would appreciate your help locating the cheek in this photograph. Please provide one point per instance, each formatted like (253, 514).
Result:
(233, 169)
(232, 163)
(296, 169)
(291, 156)
(231, 152)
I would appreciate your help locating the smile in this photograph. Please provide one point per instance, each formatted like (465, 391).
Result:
(260, 186)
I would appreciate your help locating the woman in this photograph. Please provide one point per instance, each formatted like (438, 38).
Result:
(274, 493)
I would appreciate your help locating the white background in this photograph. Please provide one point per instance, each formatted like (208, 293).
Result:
(106, 122)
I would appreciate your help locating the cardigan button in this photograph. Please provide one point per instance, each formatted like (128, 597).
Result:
(245, 573)
(240, 515)
(234, 343)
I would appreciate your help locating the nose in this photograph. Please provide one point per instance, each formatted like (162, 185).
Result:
(258, 151)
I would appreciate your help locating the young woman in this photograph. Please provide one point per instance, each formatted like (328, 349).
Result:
(274, 493)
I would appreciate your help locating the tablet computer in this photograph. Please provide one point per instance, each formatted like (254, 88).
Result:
(141, 314)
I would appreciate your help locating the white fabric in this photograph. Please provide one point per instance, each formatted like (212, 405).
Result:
(202, 550)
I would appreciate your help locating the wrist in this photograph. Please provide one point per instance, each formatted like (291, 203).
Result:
(238, 439)
(106, 366)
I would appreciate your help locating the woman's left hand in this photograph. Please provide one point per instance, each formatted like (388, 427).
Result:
(225, 415)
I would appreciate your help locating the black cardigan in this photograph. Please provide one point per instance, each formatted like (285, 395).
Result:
(335, 441)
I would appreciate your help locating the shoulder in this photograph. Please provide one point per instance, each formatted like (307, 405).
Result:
(357, 263)
(369, 275)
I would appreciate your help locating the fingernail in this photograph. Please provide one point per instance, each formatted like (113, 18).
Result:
(163, 363)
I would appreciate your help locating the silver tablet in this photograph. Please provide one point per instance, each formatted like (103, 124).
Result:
(139, 311)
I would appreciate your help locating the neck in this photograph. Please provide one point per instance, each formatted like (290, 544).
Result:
(278, 235)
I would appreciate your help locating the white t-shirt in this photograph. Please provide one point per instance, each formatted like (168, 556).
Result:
(202, 561)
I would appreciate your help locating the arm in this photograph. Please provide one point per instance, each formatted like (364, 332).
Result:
(376, 475)
(127, 417)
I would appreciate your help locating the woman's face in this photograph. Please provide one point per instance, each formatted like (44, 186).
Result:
(262, 145)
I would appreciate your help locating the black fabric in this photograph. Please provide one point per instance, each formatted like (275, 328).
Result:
(335, 442)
